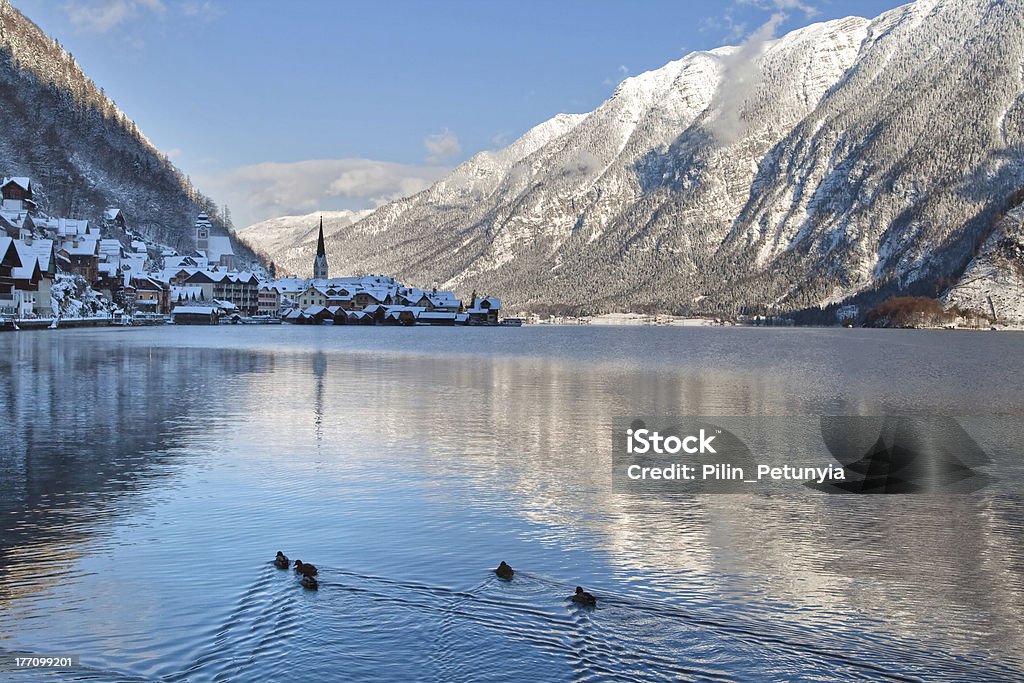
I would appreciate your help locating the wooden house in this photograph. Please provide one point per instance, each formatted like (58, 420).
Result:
(195, 315)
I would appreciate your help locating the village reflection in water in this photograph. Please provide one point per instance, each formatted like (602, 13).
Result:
(125, 449)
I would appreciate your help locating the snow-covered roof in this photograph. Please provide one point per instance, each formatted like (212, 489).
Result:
(43, 250)
(80, 248)
(444, 299)
(14, 218)
(186, 293)
(21, 181)
(314, 309)
(65, 226)
(110, 248)
(111, 213)
(290, 284)
(218, 246)
(380, 294)
(6, 244)
(437, 315)
(29, 263)
(135, 264)
(202, 310)
(396, 311)
(146, 283)
(485, 304)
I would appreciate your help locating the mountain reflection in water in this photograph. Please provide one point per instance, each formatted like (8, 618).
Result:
(148, 477)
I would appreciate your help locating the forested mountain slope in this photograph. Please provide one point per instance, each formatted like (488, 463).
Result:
(847, 158)
(82, 153)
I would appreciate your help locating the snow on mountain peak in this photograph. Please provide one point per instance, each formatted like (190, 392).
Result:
(848, 156)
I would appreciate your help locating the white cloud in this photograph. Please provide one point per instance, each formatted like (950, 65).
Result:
(101, 16)
(620, 73)
(808, 9)
(441, 147)
(203, 10)
(502, 139)
(272, 189)
(729, 29)
(741, 77)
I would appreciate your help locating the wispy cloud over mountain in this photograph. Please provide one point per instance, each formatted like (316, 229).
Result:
(269, 189)
(103, 16)
(442, 147)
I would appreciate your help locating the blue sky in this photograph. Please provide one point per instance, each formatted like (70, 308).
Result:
(289, 107)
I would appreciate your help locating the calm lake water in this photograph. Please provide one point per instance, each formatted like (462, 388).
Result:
(148, 476)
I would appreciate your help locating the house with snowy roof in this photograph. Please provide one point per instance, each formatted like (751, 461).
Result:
(151, 295)
(67, 228)
(45, 254)
(241, 289)
(113, 218)
(484, 310)
(17, 194)
(16, 224)
(268, 300)
(9, 260)
(83, 257)
(26, 278)
(312, 296)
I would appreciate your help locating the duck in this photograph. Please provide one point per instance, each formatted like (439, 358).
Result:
(505, 572)
(281, 561)
(309, 583)
(583, 598)
(304, 568)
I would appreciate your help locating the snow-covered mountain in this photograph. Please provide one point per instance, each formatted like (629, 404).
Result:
(280, 235)
(82, 153)
(993, 282)
(853, 157)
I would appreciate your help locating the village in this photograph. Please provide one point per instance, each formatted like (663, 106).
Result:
(57, 271)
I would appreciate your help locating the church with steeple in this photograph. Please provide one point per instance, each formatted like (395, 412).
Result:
(320, 263)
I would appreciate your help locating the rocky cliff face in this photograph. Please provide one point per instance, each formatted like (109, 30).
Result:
(993, 282)
(849, 158)
(82, 153)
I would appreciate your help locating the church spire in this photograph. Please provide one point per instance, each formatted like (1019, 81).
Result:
(320, 263)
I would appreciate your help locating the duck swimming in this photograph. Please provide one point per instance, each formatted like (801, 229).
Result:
(281, 561)
(505, 572)
(583, 598)
(304, 568)
(309, 583)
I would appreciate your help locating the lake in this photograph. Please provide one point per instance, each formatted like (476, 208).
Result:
(148, 476)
